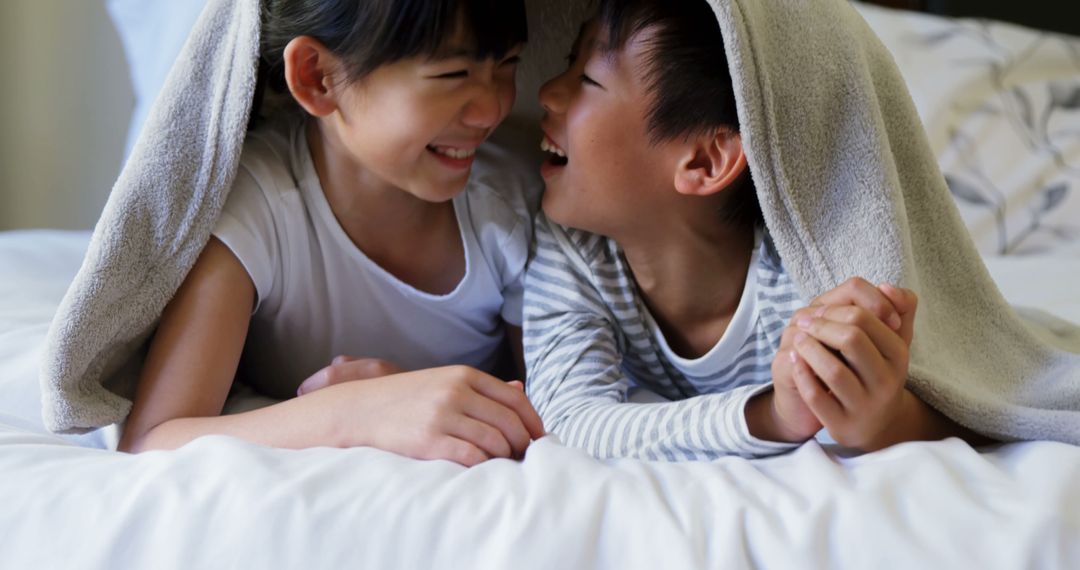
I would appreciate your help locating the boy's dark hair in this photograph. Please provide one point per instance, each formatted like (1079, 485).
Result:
(687, 74)
(368, 33)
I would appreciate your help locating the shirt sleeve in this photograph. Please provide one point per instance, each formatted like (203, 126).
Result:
(246, 226)
(507, 192)
(576, 382)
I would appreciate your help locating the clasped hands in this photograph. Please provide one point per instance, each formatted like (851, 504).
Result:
(842, 365)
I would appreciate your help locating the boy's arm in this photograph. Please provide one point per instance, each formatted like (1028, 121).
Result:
(920, 422)
(577, 384)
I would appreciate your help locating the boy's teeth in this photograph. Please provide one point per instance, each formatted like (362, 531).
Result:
(458, 153)
(547, 145)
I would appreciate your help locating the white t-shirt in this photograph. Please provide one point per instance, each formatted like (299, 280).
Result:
(319, 296)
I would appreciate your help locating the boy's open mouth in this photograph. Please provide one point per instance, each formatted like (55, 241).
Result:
(558, 155)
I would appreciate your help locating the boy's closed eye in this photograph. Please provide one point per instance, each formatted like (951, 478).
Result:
(459, 74)
(571, 59)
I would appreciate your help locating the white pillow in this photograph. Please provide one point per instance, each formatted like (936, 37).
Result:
(1001, 106)
(152, 32)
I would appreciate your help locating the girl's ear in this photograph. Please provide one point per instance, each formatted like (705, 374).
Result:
(309, 73)
(710, 164)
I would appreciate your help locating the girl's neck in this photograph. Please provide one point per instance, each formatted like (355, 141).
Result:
(358, 198)
(415, 240)
(691, 275)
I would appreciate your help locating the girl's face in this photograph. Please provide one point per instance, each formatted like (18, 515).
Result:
(415, 124)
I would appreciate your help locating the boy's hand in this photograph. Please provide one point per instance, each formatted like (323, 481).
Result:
(852, 363)
(346, 369)
(793, 419)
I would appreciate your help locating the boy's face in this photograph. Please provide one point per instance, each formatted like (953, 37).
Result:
(612, 179)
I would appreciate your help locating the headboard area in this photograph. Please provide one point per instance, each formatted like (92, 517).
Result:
(1055, 15)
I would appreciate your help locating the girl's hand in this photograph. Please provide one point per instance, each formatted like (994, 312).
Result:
(851, 368)
(346, 369)
(456, 413)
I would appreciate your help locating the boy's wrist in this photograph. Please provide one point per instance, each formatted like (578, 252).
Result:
(765, 422)
(918, 421)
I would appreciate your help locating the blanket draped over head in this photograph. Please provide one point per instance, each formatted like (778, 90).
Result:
(844, 174)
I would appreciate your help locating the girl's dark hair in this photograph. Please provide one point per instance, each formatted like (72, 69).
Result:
(687, 75)
(368, 33)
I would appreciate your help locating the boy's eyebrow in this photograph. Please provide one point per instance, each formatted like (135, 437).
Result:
(599, 45)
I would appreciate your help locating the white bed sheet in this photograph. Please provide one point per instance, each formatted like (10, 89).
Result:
(224, 503)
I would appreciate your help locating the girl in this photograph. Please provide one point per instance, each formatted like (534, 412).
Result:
(354, 227)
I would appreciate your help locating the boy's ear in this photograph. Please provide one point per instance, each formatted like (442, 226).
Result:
(710, 163)
(309, 68)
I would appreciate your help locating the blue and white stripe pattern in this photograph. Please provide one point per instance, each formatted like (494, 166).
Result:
(589, 340)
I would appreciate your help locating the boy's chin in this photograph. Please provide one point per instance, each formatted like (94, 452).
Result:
(561, 211)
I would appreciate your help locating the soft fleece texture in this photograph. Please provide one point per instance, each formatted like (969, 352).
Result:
(156, 222)
(845, 176)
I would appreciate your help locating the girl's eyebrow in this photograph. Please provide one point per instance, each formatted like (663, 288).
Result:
(450, 53)
(459, 53)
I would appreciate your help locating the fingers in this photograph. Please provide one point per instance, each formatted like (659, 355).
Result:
(814, 394)
(866, 343)
(492, 441)
(832, 372)
(346, 369)
(502, 419)
(858, 291)
(513, 398)
(906, 302)
(456, 450)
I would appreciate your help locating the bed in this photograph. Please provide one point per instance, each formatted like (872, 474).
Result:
(1002, 108)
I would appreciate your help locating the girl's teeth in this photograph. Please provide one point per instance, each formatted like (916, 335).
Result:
(458, 153)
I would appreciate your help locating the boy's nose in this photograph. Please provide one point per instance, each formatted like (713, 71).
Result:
(554, 94)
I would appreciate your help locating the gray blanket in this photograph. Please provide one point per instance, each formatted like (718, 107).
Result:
(844, 173)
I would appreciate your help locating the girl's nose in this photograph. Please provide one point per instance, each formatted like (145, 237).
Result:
(489, 106)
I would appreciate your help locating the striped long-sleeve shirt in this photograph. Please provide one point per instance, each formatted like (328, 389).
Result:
(589, 340)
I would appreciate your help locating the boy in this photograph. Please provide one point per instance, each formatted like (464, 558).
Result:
(652, 269)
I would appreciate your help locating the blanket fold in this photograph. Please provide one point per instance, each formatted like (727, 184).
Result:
(156, 222)
(850, 187)
(846, 179)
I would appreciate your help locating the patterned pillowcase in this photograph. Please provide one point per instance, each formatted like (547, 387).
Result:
(1001, 106)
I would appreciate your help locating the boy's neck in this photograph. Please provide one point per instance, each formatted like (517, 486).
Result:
(691, 277)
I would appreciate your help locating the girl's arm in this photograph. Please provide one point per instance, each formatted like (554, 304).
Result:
(193, 355)
(454, 413)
